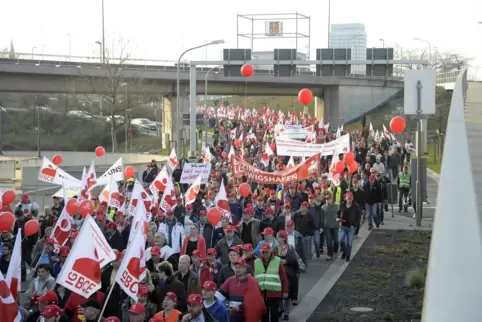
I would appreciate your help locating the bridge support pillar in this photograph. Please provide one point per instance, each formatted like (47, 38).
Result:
(328, 108)
(169, 122)
(319, 109)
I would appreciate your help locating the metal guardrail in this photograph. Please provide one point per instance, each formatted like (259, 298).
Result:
(474, 74)
(144, 64)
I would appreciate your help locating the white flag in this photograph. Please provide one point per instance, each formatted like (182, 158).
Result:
(81, 271)
(140, 220)
(133, 267)
(192, 191)
(116, 171)
(50, 173)
(14, 272)
(104, 251)
(139, 196)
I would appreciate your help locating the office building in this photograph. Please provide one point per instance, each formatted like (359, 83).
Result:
(353, 36)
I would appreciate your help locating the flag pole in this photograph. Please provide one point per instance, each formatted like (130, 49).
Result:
(105, 302)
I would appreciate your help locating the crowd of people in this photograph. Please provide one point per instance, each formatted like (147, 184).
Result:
(244, 268)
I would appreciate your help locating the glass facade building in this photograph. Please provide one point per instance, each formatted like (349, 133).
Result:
(354, 37)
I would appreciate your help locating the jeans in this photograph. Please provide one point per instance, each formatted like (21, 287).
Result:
(307, 240)
(331, 235)
(371, 213)
(346, 235)
(287, 306)
(403, 197)
(318, 240)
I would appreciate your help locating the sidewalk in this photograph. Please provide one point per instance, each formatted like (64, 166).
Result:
(400, 221)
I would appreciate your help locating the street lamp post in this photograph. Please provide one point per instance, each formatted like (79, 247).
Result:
(103, 34)
(38, 109)
(1, 129)
(125, 118)
(424, 121)
(383, 42)
(33, 52)
(329, 22)
(100, 51)
(178, 91)
(70, 47)
(429, 48)
(206, 102)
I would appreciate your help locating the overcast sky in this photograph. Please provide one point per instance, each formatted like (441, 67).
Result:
(160, 30)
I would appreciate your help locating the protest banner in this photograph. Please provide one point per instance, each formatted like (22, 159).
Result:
(291, 132)
(309, 168)
(288, 147)
(193, 170)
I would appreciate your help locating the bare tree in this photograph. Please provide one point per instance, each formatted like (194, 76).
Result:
(4, 53)
(441, 61)
(109, 97)
(449, 61)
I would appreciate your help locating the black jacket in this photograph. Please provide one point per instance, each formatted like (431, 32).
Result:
(172, 284)
(350, 216)
(358, 197)
(35, 316)
(265, 223)
(207, 316)
(304, 223)
(227, 272)
(117, 296)
(208, 234)
(116, 241)
(373, 193)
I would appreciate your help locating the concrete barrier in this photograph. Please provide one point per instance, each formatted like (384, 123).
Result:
(19, 170)
(29, 158)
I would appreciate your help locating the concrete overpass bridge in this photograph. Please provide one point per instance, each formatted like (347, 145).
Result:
(334, 96)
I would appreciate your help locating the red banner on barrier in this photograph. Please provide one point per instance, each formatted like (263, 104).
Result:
(309, 168)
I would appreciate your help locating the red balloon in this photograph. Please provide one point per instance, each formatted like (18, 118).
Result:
(247, 70)
(6, 221)
(353, 167)
(99, 151)
(305, 96)
(31, 227)
(8, 197)
(238, 143)
(86, 208)
(397, 124)
(224, 154)
(214, 216)
(348, 158)
(129, 172)
(272, 146)
(72, 206)
(57, 159)
(339, 166)
(244, 190)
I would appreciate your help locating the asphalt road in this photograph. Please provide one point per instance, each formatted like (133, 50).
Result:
(315, 270)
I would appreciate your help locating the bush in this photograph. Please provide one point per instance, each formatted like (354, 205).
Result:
(416, 278)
